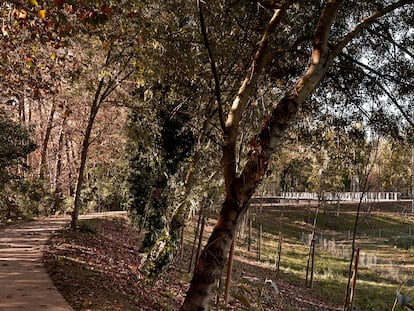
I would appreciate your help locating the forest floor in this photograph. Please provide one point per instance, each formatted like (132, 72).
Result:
(97, 268)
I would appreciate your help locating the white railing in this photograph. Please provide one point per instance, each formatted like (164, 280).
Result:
(342, 196)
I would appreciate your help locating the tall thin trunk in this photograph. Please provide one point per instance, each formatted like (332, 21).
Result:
(249, 240)
(313, 264)
(279, 252)
(259, 243)
(311, 249)
(195, 240)
(48, 131)
(279, 248)
(354, 233)
(57, 182)
(354, 279)
(70, 158)
(84, 153)
(22, 110)
(200, 238)
(29, 112)
(229, 272)
(412, 179)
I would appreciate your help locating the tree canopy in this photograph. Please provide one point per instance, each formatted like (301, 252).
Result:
(209, 93)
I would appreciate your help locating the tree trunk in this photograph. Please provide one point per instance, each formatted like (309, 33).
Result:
(22, 110)
(70, 159)
(412, 179)
(354, 279)
(279, 252)
(84, 154)
(259, 243)
(229, 272)
(58, 195)
(49, 126)
(212, 260)
(249, 241)
(240, 189)
(200, 239)
(163, 250)
(195, 240)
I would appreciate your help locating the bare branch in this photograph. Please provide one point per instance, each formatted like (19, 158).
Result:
(404, 113)
(213, 67)
(376, 72)
(396, 103)
(365, 23)
(388, 37)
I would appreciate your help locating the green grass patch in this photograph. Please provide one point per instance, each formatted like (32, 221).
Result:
(385, 238)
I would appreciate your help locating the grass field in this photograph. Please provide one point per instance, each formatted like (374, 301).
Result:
(385, 238)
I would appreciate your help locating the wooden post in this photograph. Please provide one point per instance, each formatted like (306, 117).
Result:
(311, 254)
(412, 178)
(307, 266)
(249, 242)
(279, 251)
(200, 240)
(259, 244)
(182, 242)
(310, 264)
(354, 278)
(195, 240)
(229, 270)
(219, 287)
(313, 263)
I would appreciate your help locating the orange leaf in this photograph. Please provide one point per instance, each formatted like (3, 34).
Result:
(42, 14)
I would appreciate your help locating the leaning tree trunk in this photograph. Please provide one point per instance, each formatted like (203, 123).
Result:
(84, 154)
(240, 189)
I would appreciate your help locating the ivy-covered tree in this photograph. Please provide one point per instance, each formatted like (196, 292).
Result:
(157, 170)
(15, 145)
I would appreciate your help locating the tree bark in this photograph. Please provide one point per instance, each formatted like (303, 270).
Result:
(412, 179)
(71, 160)
(58, 195)
(229, 272)
(49, 126)
(84, 153)
(240, 189)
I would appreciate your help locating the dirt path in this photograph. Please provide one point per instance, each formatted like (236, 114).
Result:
(24, 282)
